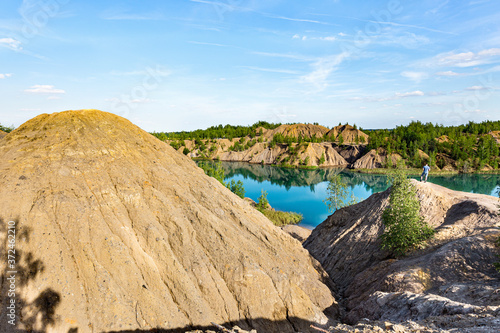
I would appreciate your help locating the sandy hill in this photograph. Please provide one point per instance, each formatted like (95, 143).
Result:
(453, 278)
(117, 231)
(349, 133)
(2, 134)
(306, 130)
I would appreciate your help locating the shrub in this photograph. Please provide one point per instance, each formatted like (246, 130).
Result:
(185, 151)
(405, 228)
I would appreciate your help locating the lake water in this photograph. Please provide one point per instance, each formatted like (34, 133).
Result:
(303, 191)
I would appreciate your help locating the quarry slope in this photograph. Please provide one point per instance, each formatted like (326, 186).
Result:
(452, 280)
(117, 231)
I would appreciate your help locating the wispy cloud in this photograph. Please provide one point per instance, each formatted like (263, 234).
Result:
(4, 76)
(206, 43)
(322, 70)
(11, 43)
(395, 24)
(398, 95)
(448, 73)
(467, 59)
(271, 70)
(44, 89)
(159, 72)
(284, 55)
(295, 19)
(410, 94)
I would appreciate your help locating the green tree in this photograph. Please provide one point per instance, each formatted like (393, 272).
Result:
(262, 202)
(185, 151)
(322, 159)
(237, 188)
(341, 139)
(405, 228)
(338, 194)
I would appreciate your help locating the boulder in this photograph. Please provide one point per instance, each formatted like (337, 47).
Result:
(116, 231)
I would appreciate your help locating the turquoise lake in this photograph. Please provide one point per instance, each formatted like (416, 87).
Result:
(303, 191)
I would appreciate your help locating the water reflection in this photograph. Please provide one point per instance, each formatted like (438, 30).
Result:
(288, 177)
(303, 191)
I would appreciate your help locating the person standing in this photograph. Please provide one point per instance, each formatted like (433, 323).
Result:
(425, 173)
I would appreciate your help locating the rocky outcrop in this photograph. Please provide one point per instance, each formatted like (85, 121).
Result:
(351, 153)
(376, 158)
(117, 231)
(456, 265)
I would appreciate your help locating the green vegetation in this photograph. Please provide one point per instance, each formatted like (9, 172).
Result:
(217, 171)
(262, 202)
(405, 228)
(237, 188)
(471, 145)
(217, 132)
(278, 218)
(338, 194)
(7, 129)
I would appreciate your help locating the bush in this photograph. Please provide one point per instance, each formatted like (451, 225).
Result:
(185, 151)
(404, 227)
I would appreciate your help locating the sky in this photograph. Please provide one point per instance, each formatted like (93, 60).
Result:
(186, 64)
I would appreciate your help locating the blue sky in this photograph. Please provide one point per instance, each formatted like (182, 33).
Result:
(188, 64)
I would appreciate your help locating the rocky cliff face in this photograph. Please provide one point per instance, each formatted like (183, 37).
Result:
(376, 158)
(117, 231)
(454, 275)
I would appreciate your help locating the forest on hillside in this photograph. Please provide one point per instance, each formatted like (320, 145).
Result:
(470, 146)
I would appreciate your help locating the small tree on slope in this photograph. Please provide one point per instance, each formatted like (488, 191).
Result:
(405, 228)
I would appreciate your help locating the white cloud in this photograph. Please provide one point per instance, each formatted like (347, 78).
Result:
(410, 94)
(447, 73)
(415, 76)
(476, 88)
(341, 34)
(468, 59)
(328, 38)
(271, 70)
(11, 43)
(296, 36)
(322, 70)
(44, 89)
(4, 76)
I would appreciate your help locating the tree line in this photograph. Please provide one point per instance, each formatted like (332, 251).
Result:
(467, 144)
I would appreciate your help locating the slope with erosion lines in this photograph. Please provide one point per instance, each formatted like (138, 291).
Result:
(134, 236)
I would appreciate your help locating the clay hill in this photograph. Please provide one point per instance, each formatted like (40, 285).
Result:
(328, 153)
(116, 231)
(450, 284)
(296, 130)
